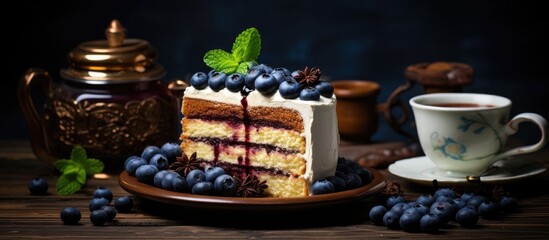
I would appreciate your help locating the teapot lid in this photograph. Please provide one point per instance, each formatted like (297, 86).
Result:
(114, 60)
(440, 73)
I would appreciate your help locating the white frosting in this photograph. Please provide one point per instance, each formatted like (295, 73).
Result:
(319, 118)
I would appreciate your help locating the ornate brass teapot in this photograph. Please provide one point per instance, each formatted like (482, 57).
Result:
(110, 101)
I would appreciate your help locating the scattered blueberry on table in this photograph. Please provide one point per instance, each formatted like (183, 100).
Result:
(103, 192)
(70, 215)
(428, 213)
(38, 186)
(123, 204)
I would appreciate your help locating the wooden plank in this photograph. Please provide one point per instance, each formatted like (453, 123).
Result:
(28, 217)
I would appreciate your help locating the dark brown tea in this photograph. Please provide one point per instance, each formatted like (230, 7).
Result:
(462, 105)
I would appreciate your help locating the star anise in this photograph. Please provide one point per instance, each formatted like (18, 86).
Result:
(250, 186)
(184, 165)
(392, 188)
(308, 77)
(495, 192)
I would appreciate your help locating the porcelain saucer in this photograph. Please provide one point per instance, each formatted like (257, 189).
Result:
(421, 170)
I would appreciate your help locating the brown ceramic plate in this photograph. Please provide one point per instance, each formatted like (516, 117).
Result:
(131, 185)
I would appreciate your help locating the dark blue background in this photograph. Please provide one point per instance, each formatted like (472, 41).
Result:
(505, 41)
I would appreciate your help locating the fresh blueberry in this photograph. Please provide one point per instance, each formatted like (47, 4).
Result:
(282, 70)
(213, 172)
(339, 183)
(460, 203)
(70, 215)
(475, 201)
(171, 151)
(400, 207)
(145, 173)
(322, 186)
(235, 82)
(211, 72)
(325, 89)
(225, 185)
(488, 210)
(167, 181)
(430, 222)
(217, 81)
(159, 161)
(467, 195)
(294, 73)
(353, 164)
(352, 180)
(289, 89)
(394, 199)
(203, 188)
(251, 76)
(199, 80)
(133, 164)
(443, 198)
(111, 212)
(123, 204)
(455, 208)
(157, 180)
(443, 210)
(280, 74)
(38, 186)
(409, 221)
(97, 203)
(340, 174)
(376, 214)
(265, 67)
(195, 176)
(425, 200)
(508, 204)
(413, 210)
(149, 152)
(128, 160)
(422, 209)
(266, 84)
(448, 192)
(391, 220)
(179, 184)
(309, 94)
(344, 168)
(103, 192)
(208, 167)
(467, 217)
(98, 217)
(364, 174)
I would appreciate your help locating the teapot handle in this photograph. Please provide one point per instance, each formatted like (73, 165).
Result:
(35, 122)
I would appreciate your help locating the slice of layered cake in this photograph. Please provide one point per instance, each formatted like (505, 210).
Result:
(251, 119)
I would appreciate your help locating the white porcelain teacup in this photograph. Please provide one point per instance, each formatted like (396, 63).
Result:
(463, 134)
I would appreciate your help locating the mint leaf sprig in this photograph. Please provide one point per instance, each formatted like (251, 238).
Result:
(75, 171)
(245, 51)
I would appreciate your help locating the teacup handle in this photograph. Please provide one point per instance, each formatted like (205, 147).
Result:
(512, 128)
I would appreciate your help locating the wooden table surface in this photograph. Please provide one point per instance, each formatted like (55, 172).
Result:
(23, 215)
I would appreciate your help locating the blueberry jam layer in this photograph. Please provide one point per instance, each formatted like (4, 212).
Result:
(233, 169)
(252, 146)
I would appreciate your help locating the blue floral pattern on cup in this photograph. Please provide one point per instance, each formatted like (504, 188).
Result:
(450, 148)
